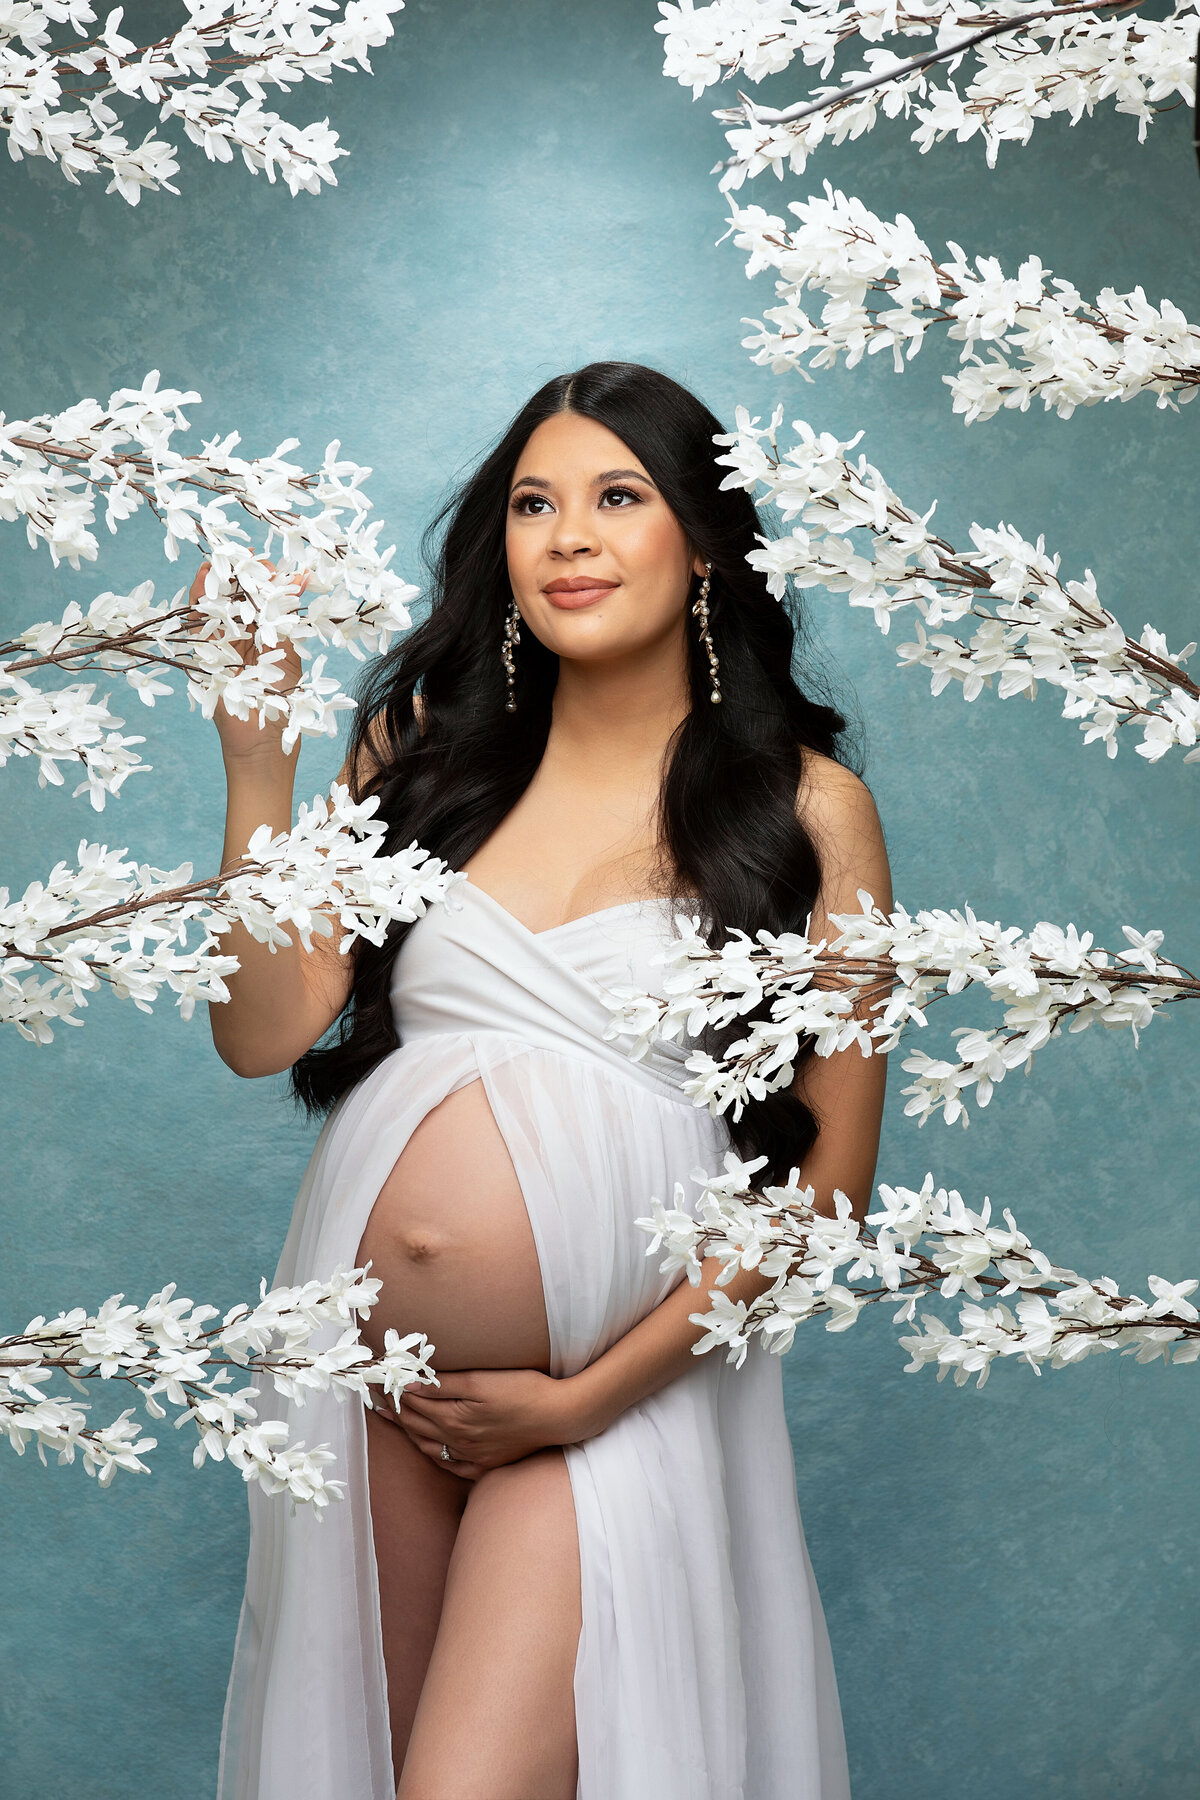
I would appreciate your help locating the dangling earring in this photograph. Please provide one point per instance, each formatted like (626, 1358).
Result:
(700, 609)
(511, 637)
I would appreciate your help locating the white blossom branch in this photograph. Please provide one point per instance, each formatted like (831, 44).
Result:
(1026, 65)
(707, 44)
(332, 586)
(885, 289)
(919, 1244)
(62, 99)
(304, 1339)
(139, 930)
(856, 536)
(67, 725)
(880, 974)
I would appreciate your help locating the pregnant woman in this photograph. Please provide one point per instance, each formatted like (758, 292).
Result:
(576, 1567)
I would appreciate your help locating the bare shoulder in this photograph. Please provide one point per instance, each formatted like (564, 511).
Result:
(838, 810)
(833, 802)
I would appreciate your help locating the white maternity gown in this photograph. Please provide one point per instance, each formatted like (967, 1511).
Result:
(703, 1670)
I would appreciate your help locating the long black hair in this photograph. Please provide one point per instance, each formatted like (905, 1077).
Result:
(729, 834)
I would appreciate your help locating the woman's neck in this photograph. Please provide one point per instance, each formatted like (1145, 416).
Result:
(622, 715)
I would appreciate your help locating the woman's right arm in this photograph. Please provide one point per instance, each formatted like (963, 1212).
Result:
(279, 1002)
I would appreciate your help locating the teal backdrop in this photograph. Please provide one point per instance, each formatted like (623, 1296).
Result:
(1010, 1575)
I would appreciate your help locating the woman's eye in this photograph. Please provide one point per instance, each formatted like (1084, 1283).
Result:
(537, 505)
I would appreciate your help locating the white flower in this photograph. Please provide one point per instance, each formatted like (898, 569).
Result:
(1171, 1297)
(885, 290)
(1050, 977)
(54, 470)
(1031, 625)
(1046, 65)
(267, 43)
(920, 1241)
(139, 930)
(168, 1349)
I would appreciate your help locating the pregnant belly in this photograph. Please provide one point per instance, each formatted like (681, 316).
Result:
(450, 1239)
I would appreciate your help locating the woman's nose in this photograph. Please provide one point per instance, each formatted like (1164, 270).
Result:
(574, 533)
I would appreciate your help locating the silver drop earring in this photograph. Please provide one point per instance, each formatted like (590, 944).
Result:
(700, 609)
(510, 639)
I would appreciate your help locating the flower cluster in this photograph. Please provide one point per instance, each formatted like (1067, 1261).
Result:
(879, 974)
(138, 929)
(1044, 340)
(66, 725)
(855, 536)
(63, 100)
(306, 1339)
(332, 587)
(756, 38)
(1027, 64)
(919, 1243)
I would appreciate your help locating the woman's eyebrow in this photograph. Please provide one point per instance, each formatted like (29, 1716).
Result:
(539, 481)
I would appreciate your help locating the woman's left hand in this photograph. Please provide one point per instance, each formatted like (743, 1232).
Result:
(487, 1417)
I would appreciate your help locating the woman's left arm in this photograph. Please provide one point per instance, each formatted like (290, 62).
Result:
(495, 1416)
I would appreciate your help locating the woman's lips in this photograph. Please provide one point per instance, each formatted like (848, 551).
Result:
(570, 599)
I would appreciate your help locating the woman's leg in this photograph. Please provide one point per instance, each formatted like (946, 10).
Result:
(496, 1719)
(450, 1239)
(415, 1513)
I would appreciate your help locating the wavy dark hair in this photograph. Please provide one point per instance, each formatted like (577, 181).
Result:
(729, 834)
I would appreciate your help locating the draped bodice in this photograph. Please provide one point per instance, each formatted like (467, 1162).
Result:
(468, 966)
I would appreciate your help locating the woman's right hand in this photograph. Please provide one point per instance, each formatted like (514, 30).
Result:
(248, 740)
(281, 998)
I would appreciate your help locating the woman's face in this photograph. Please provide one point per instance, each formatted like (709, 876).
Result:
(599, 564)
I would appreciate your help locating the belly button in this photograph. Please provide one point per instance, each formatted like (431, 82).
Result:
(421, 1246)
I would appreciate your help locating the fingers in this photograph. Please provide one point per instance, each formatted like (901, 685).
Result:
(456, 1384)
(197, 587)
(426, 1441)
(431, 1436)
(432, 1448)
(437, 1412)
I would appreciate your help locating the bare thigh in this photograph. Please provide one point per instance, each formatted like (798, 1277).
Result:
(496, 1717)
(415, 1513)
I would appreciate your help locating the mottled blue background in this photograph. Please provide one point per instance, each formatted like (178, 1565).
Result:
(1010, 1577)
